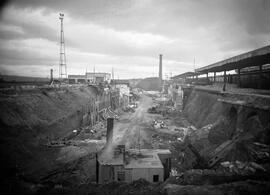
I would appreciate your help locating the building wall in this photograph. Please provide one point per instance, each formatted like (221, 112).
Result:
(147, 173)
(124, 91)
(105, 173)
(166, 162)
(109, 173)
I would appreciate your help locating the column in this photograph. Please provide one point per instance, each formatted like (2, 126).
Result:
(239, 77)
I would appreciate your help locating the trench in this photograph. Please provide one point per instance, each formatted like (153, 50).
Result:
(58, 155)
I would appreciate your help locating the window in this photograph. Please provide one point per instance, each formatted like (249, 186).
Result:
(155, 178)
(120, 176)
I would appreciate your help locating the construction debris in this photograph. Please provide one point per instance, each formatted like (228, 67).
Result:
(158, 124)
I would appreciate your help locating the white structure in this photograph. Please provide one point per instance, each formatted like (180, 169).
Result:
(98, 77)
(152, 165)
(90, 77)
(124, 90)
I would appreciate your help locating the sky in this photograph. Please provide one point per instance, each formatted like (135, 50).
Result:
(128, 35)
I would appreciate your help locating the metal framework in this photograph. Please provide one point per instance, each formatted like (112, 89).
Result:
(62, 60)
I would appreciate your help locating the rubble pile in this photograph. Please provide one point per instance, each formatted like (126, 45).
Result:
(159, 124)
(236, 159)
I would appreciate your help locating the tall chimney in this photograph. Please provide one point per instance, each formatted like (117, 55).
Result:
(109, 137)
(160, 70)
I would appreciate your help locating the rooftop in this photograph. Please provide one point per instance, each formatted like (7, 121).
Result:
(72, 76)
(97, 73)
(109, 159)
(256, 57)
(134, 158)
(145, 158)
(183, 75)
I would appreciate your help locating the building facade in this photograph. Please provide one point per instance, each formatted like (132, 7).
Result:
(133, 164)
(90, 77)
(124, 90)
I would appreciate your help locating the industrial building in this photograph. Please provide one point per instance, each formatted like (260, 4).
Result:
(90, 77)
(116, 163)
(129, 165)
(124, 90)
(247, 70)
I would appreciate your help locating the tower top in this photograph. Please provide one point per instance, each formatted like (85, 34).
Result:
(62, 60)
(61, 16)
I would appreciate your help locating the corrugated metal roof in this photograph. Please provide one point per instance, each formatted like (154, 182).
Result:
(183, 75)
(256, 57)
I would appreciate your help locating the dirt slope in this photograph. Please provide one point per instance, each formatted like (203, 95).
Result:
(28, 119)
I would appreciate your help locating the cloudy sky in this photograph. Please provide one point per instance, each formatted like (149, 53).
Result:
(128, 35)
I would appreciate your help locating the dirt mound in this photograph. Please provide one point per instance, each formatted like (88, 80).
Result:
(28, 120)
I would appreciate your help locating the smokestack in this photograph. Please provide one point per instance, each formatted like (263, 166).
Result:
(160, 70)
(109, 137)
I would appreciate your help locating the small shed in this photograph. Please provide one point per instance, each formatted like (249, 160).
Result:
(153, 165)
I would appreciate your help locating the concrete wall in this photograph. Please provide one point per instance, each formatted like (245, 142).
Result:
(166, 162)
(147, 174)
(108, 173)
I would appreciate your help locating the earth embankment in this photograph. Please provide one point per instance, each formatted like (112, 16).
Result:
(30, 119)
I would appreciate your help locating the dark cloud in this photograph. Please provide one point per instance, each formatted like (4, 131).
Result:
(30, 31)
(22, 57)
(208, 29)
(3, 4)
(170, 18)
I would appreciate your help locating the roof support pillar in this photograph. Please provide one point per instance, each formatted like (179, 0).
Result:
(239, 77)
(261, 77)
(214, 77)
(224, 81)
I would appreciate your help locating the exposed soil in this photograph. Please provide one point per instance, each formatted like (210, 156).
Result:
(35, 168)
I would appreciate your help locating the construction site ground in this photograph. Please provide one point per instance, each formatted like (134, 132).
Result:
(70, 166)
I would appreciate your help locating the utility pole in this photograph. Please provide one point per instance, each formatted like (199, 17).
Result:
(112, 74)
(94, 77)
(194, 64)
(139, 140)
(51, 80)
(160, 72)
(62, 61)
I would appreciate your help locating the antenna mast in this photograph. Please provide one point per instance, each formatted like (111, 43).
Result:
(62, 61)
(194, 64)
(139, 140)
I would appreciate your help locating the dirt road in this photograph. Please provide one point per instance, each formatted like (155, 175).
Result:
(133, 128)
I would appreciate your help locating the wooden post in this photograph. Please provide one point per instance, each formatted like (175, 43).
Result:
(214, 77)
